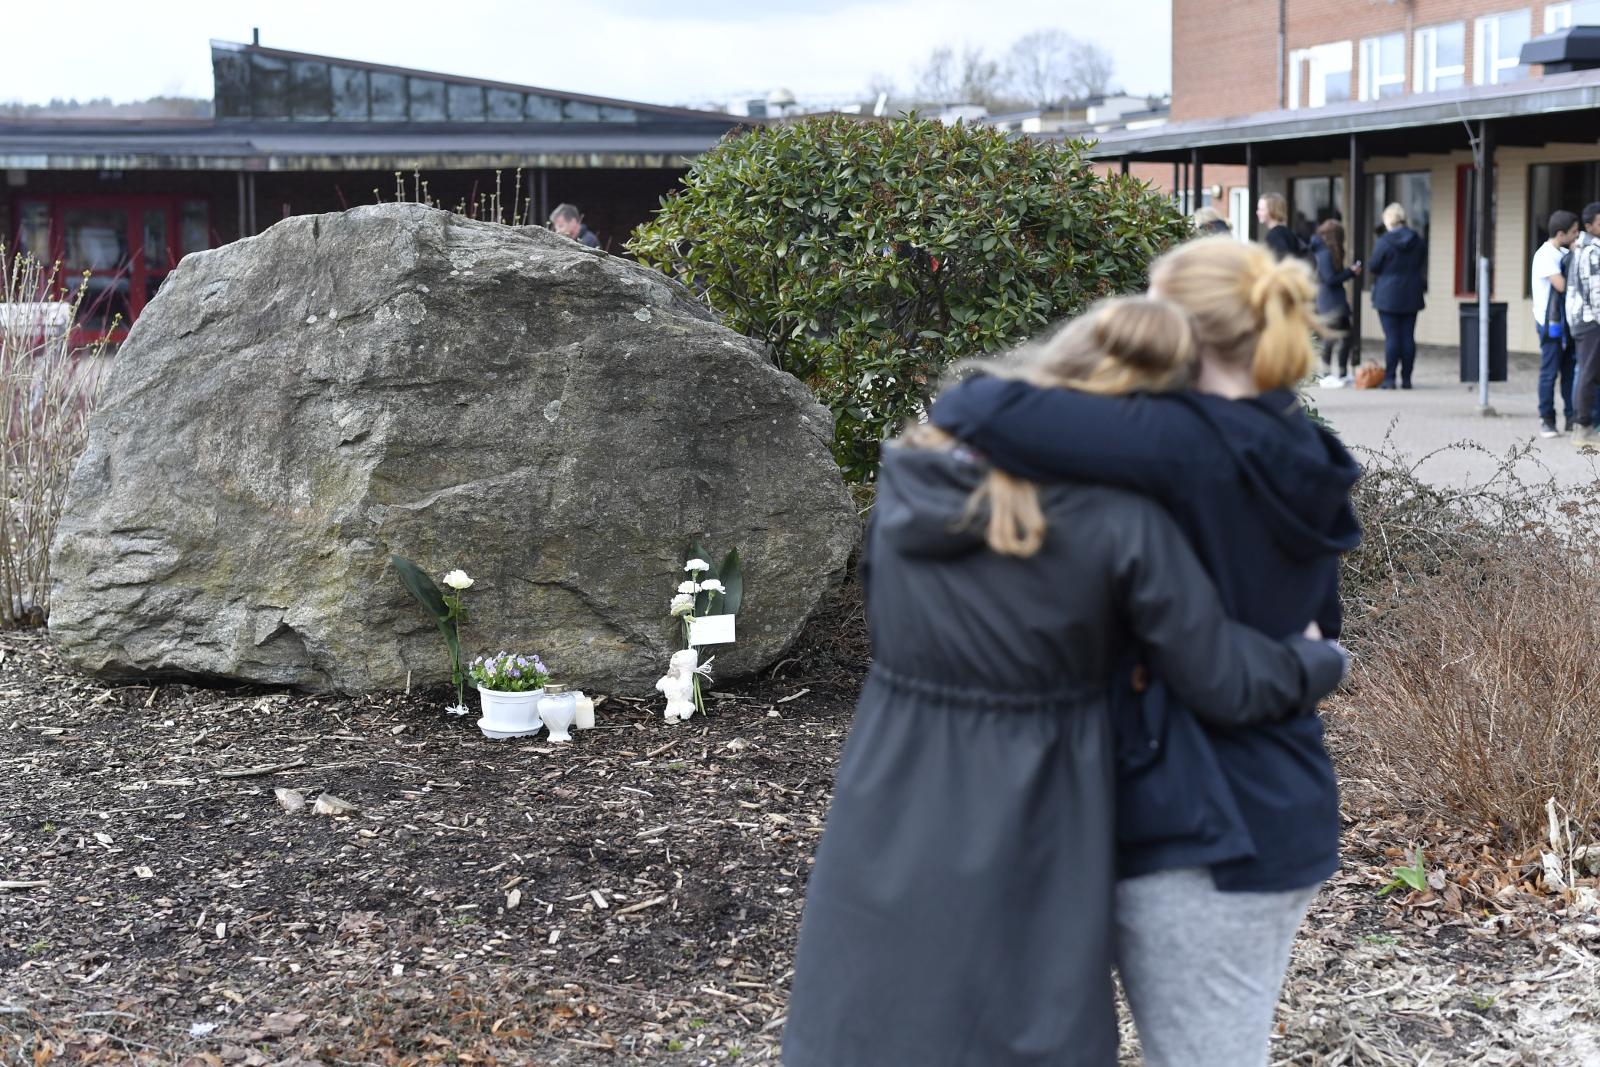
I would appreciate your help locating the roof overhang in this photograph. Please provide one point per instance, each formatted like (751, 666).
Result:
(211, 146)
(1536, 111)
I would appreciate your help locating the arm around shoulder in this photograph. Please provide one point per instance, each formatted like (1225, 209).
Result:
(1229, 674)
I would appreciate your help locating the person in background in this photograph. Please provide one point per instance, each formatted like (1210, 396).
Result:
(1272, 211)
(568, 222)
(1399, 260)
(1208, 222)
(1333, 303)
(1548, 285)
(1583, 322)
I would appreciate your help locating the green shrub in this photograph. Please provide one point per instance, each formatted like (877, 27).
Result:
(869, 255)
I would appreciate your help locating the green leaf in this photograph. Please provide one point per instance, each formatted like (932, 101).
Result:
(421, 586)
(732, 578)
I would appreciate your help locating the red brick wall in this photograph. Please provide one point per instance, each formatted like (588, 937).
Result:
(1224, 56)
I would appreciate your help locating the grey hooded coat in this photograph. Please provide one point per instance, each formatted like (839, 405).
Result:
(959, 912)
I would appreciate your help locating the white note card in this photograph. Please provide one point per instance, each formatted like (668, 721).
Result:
(711, 630)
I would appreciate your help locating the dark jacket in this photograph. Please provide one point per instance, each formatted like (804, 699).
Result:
(959, 912)
(1332, 300)
(1398, 262)
(586, 236)
(1263, 495)
(1284, 242)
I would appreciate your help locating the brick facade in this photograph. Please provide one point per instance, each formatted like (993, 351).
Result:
(1225, 56)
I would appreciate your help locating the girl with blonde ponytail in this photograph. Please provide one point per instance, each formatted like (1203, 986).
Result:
(1223, 835)
(971, 833)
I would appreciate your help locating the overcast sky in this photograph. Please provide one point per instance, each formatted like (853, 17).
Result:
(676, 51)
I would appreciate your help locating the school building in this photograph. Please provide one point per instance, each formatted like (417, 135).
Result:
(293, 133)
(1419, 102)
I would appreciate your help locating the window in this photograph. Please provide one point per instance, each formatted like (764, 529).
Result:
(1497, 47)
(1575, 13)
(1383, 66)
(1240, 210)
(1467, 231)
(1327, 74)
(1313, 201)
(1412, 191)
(1441, 58)
(1555, 187)
(128, 243)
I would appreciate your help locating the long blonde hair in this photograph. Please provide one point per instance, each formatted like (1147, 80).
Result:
(1249, 308)
(1120, 345)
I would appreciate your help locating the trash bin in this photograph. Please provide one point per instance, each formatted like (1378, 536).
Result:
(1497, 341)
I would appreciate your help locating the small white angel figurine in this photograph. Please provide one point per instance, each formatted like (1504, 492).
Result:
(678, 685)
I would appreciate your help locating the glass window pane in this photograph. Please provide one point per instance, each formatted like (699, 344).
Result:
(427, 100)
(1448, 81)
(349, 89)
(542, 109)
(195, 226)
(1452, 47)
(1585, 13)
(269, 87)
(1336, 86)
(310, 91)
(1392, 55)
(155, 239)
(578, 111)
(504, 105)
(96, 239)
(618, 114)
(105, 300)
(33, 236)
(388, 96)
(466, 103)
(230, 75)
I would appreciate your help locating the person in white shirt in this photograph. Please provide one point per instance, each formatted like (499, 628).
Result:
(1549, 285)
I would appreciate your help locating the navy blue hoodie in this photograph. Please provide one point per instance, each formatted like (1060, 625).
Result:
(1262, 493)
(1399, 260)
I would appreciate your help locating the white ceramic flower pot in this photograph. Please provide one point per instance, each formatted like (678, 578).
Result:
(559, 710)
(510, 714)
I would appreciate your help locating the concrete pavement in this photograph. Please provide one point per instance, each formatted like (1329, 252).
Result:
(1440, 412)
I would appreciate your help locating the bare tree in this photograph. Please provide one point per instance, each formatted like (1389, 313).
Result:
(1045, 66)
(969, 77)
(1092, 69)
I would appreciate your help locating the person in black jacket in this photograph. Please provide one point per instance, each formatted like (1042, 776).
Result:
(1272, 211)
(1223, 835)
(1398, 265)
(959, 912)
(1333, 304)
(568, 222)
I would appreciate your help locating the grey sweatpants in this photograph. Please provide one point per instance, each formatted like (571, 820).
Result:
(1202, 969)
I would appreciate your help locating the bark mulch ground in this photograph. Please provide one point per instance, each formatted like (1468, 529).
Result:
(630, 897)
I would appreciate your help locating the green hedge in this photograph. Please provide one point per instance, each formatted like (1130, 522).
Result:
(869, 255)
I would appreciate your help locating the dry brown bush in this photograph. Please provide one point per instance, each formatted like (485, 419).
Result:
(1475, 690)
(48, 387)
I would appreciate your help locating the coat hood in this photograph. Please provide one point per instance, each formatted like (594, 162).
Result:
(1403, 237)
(922, 500)
(1302, 477)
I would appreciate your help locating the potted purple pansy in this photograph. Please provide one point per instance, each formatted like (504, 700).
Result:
(509, 685)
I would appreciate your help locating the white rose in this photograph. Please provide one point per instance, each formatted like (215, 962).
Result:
(696, 566)
(457, 579)
(711, 585)
(688, 587)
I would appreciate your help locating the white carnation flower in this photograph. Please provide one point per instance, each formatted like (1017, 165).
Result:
(688, 587)
(711, 585)
(682, 604)
(696, 566)
(457, 579)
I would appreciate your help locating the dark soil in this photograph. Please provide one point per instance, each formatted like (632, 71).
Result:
(631, 896)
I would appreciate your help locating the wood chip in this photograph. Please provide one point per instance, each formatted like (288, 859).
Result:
(328, 804)
(643, 904)
(23, 885)
(265, 768)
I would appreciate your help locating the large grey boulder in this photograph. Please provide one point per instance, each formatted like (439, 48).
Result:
(295, 407)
